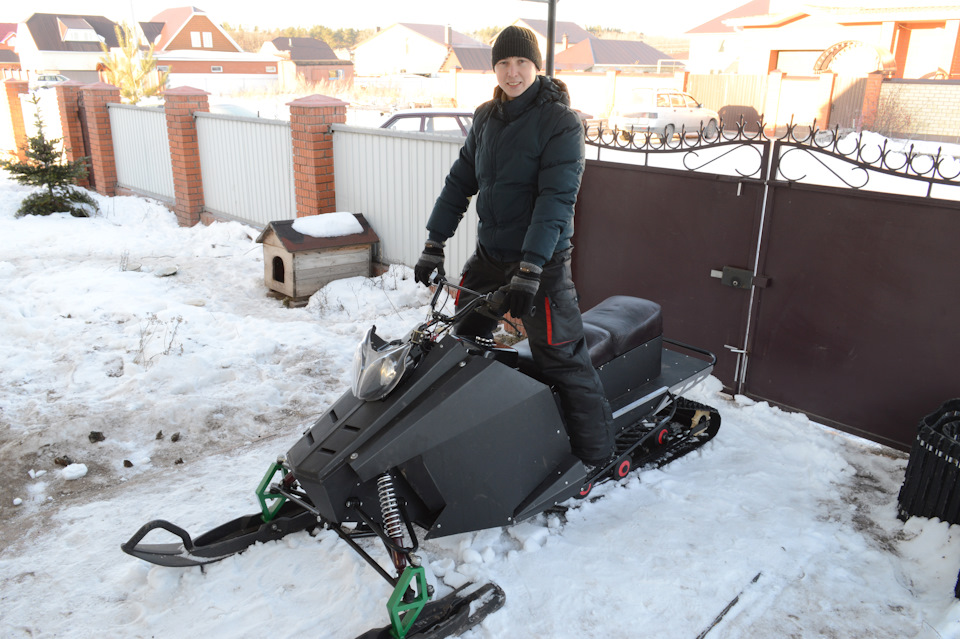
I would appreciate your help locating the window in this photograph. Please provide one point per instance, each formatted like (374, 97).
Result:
(271, 69)
(207, 39)
(195, 39)
(163, 67)
(691, 103)
(216, 69)
(406, 124)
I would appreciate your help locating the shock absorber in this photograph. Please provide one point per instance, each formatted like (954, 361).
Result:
(392, 520)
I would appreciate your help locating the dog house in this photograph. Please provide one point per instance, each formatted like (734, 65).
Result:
(296, 266)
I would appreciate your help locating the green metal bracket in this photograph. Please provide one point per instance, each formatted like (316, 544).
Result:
(270, 511)
(404, 613)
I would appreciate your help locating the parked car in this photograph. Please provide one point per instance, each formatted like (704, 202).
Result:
(49, 79)
(438, 121)
(665, 112)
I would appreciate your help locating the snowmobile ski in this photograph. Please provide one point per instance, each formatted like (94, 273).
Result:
(451, 615)
(227, 539)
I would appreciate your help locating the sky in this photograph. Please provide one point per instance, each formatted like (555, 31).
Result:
(653, 18)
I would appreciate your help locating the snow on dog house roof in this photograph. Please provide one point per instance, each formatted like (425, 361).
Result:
(294, 241)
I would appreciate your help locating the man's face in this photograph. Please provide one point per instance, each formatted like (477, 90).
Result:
(515, 75)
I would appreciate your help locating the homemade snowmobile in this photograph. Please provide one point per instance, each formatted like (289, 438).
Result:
(455, 435)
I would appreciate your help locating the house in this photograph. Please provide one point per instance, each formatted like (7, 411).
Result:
(566, 34)
(469, 58)
(62, 43)
(904, 39)
(198, 52)
(410, 48)
(307, 58)
(600, 55)
(9, 60)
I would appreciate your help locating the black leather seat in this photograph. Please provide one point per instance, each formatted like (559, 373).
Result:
(612, 327)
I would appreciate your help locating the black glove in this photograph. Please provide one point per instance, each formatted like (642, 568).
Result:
(522, 288)
(430, 260)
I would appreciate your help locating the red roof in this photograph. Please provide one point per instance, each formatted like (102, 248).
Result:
(752, 8)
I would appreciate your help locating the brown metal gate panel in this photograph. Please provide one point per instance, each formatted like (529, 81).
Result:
(847, 104)
(859, 325)
(658, 234)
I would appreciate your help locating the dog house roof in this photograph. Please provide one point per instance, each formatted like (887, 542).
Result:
(294, 241)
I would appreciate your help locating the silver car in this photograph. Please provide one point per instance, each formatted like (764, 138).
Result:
(664, 112)
(439, 121)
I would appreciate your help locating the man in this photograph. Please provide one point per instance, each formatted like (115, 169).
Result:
(523, 159)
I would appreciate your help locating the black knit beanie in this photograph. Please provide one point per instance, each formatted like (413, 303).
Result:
(517, 41)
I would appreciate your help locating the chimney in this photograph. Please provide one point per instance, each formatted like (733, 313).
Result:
(566, 42)
(447, 35)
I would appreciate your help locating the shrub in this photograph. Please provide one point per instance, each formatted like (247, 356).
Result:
(46, 167)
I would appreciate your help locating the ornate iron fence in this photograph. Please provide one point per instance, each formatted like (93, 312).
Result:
(800, 154)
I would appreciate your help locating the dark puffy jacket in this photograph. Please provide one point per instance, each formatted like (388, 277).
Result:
(523, 159)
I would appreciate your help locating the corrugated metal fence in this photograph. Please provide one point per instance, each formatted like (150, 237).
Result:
(394, 179)
(247, 168)
(142, 150)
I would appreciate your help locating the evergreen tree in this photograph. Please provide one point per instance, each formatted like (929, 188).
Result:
(46, 167)
(132, 69)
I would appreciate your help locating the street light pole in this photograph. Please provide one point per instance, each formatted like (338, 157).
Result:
(551, 33)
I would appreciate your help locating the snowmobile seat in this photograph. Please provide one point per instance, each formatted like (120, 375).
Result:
(613, 327)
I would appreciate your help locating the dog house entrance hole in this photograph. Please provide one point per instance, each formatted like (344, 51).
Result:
(278, 270)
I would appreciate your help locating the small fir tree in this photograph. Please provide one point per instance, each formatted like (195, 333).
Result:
(130, 68)
(46, 167)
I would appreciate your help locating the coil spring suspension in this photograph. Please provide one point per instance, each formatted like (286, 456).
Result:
(392, 520)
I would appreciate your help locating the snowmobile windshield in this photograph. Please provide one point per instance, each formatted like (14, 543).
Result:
(378, 366)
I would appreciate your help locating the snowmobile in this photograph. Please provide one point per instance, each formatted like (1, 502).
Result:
(456, 434)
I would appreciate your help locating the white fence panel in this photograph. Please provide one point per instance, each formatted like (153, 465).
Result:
(49, 110)
(141, 148)
(394, 179)
(247, 168)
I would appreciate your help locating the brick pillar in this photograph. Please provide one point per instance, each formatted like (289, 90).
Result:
(310, 120)
(180, 104)
(68, 98)
(871, 101)
(103, 166)
(771, 105)
(13, 89)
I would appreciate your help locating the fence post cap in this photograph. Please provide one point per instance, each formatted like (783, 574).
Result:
(317, 100)
(186, 91)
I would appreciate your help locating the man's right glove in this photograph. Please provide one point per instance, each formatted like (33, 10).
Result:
(522, 288)
(430, 260)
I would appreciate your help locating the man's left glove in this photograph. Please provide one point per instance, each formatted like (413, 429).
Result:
(430, 260)
(522, 288)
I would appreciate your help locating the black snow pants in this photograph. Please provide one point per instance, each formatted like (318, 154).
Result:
(555, 331)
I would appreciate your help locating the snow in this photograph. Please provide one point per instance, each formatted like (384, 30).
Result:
(198, 380)
(74, 471)
(328, 225)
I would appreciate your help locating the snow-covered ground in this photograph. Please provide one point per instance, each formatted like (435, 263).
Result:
(165, 341)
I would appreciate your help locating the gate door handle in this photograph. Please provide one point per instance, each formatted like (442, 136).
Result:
(740, 278)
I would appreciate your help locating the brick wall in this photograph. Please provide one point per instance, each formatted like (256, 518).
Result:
(920, 109)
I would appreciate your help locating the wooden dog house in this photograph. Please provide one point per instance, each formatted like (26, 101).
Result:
(296, 265)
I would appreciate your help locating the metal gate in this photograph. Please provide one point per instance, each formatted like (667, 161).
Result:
(820, 286)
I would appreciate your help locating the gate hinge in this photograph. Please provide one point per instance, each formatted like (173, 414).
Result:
(740, 278)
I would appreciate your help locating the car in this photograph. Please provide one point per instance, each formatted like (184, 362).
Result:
(665, 112)
(49, 79)
(438, 121)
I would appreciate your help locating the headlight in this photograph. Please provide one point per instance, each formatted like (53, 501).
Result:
(378, 366)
